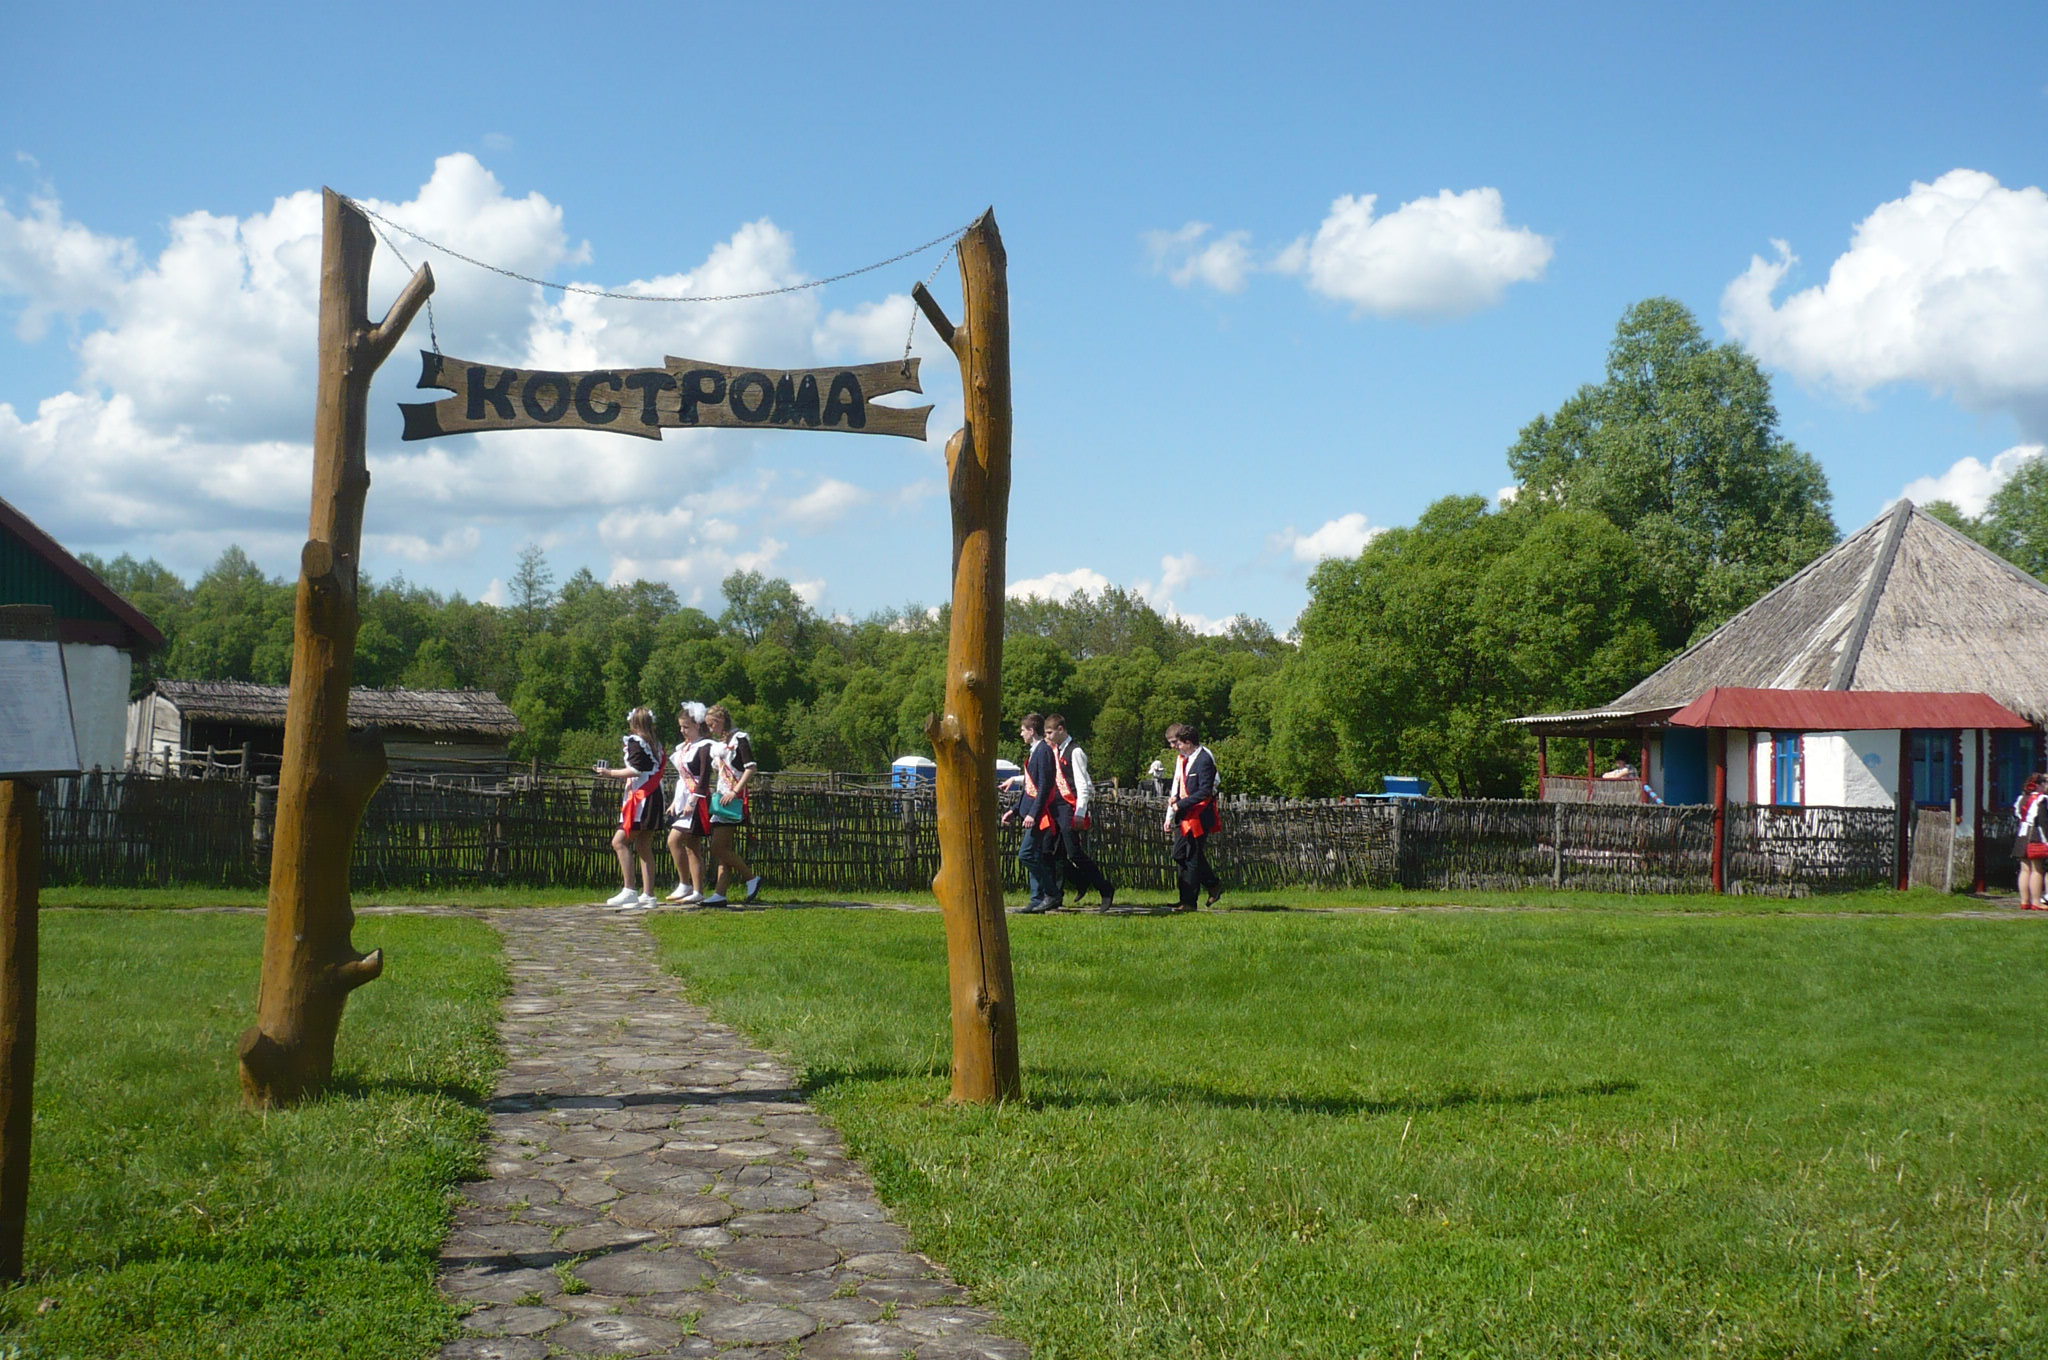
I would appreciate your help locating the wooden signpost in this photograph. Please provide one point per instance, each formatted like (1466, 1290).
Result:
(310, 963)
(36, 741)
(969, 885)
(683, 394)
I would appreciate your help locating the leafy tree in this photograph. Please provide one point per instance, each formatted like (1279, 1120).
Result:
(1679, 446)
(2015, 521)
(1038, 677)
(761, 608)
(431, 667)
(239, 625)
(1415, 653)
(532, 590)
(158, 593)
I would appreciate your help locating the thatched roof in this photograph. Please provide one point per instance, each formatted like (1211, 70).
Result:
(442, 712)
(1906, 603)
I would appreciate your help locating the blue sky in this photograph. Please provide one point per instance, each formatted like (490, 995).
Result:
(1278, 279)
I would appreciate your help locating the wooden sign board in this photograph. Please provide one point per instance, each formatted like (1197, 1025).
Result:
(36, 740)
(683, 394)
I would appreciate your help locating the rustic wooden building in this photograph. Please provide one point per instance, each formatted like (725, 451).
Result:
(101, 634)
(426, 731)
(1906, 667)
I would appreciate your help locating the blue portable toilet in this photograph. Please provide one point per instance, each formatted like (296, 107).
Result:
(913, 772)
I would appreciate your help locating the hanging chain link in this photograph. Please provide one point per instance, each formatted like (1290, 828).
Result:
(950, 236)
(433, 336)
(911, 338)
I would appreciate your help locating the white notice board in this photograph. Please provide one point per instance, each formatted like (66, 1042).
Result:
(35, 707)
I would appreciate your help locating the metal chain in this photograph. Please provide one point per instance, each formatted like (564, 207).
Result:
(648, 297)
(911, 338)
(433, 336)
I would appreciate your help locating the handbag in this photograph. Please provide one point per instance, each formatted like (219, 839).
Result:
(2037, 850)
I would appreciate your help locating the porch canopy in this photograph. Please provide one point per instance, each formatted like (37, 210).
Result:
(1836, 710)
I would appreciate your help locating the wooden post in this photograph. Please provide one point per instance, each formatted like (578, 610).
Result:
(21, 849)
(1979, 793)
(310, 963)
(1720, 851)
(969, 883)
(1592, 769)
(1557, 845)
(1542, 768)
(1902, 848)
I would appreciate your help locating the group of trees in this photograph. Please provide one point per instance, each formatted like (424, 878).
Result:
(814, 692)
(1649, 508)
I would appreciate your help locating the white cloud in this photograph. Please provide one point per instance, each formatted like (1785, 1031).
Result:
(1175, 572)
(1946, 287)
(59, 268)
(1186, 258)
(1445, 256)
(188, 426)
(455, 544)
(1344, 536)
(1059, 585)
(825, 504)
(1969, 484)
(1433, 257)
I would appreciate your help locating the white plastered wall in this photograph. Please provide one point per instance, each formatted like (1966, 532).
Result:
(97, 678)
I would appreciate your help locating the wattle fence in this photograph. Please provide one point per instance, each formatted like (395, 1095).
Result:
(136, 829)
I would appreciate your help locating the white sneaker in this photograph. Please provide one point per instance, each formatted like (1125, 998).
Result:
(624, 897)
(715, 900)
(754, 888)
(644, 901)
(683, 893)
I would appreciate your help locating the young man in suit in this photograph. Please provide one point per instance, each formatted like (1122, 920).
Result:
(1191, 815)
(1072, 792)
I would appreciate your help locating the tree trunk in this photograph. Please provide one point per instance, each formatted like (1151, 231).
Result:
(969, 884)
(310, 963)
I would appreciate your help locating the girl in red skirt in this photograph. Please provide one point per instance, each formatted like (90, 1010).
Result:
(634, 840)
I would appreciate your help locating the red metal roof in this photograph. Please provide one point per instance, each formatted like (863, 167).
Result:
(1836, 710)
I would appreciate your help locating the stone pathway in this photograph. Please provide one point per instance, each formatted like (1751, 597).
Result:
(659, 1188)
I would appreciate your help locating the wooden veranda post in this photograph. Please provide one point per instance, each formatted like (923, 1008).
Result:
(21, 849)
(969, 884)
(310, 962)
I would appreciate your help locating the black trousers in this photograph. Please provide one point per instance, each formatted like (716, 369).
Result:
(1191, 866)
(1083, 873)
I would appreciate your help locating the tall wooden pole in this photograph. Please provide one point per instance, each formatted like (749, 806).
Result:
(310, 962)
(21, 849)
(969, 884)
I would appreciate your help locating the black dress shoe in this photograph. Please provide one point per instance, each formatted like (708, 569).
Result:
(1108, 899)
(1214, 893)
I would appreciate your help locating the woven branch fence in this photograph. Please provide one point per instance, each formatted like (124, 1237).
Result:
(137, 829)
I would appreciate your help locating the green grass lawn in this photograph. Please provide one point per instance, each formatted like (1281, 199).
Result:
(166, 1222)
(1919, 902)
(1448, 1134)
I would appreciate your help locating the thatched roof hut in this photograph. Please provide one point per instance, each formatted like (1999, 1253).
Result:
(421, 727)
(1904, 604)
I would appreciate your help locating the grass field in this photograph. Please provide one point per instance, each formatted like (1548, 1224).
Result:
(1575, 1133)
(1919, 902)
(166, 1223)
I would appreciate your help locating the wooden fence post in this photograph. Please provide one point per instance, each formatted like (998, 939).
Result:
(310, 962)
(21, 848)
(969, 883)
(1557, 845)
